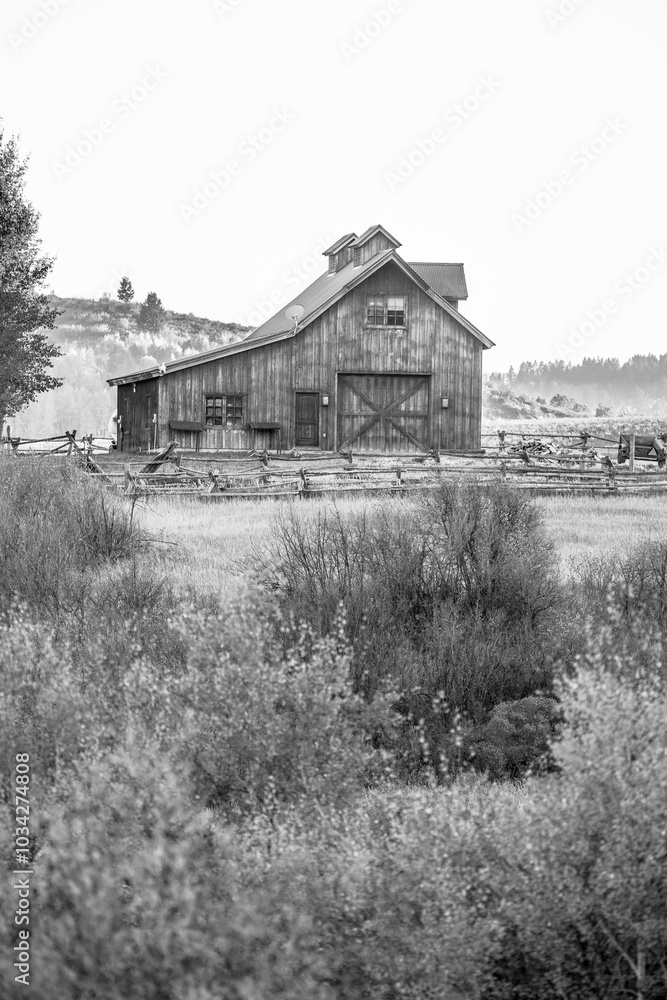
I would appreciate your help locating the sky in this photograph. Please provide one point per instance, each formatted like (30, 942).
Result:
(211, 149)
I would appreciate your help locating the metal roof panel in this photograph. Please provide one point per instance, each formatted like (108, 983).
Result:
(339, 244)
(448, 280)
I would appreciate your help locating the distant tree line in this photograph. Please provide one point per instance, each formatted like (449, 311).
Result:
(641, 379)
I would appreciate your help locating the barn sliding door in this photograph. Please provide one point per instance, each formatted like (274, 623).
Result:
(385, 413)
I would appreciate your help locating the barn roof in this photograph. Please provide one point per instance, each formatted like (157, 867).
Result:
(339, 244)
(448, 281)
(328, 286)
(372, 231)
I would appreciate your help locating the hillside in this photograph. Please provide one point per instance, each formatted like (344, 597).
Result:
(640, 382)
(101, 338)
(501, 403)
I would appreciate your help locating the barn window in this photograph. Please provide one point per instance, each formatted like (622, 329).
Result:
(385, 310)
(224, 411)
(395, 310)
(375, 311)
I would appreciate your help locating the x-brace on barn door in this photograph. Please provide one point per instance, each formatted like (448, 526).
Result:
(385, 413)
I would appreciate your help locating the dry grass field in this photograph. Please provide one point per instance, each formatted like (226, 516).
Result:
(207, 547)
(604, 426)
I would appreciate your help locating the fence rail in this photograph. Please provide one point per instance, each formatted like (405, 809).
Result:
(530, 465)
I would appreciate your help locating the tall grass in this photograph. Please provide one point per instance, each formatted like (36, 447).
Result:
(56, 527)
(224, 800)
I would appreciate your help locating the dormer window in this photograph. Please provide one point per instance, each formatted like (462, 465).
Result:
(385, 310)
(340, 252)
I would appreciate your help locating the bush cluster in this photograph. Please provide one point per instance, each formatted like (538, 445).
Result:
(72, 557)
(227, 802)
(456, 601)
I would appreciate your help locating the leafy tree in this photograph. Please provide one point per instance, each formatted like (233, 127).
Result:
(125, 290)
(151, 314)
(24, 308)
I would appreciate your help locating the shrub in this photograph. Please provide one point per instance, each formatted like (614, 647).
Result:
(489, 552)
(42, 708)
(261, 729)
(56, 525)
(517, 738)
(554, 889)
(624, 605)
(456, 597)
(140, 896)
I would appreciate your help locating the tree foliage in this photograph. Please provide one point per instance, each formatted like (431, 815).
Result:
(151, 314)
(125, 290)
(25, 354)
(639, 381)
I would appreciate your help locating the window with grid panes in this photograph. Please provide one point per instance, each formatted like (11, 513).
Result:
(224, 411)
(395, 310)
(385, 310)
(375, 311)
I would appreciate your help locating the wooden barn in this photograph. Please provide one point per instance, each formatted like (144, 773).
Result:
(374, 356)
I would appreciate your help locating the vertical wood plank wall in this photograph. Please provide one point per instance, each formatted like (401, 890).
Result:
(268, 377)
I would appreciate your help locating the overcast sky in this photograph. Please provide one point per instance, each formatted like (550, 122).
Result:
(210, 149)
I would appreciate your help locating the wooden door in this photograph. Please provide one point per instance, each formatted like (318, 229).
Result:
(307, 419)
(149, 420)
(383, 413)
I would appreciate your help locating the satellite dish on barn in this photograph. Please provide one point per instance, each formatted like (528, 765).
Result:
(295, 313)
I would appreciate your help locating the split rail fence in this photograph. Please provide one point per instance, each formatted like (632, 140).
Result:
(542, 465)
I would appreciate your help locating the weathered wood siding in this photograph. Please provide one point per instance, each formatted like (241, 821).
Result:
(262, 376)
(431, 343)
(373, 247)
(136, 406)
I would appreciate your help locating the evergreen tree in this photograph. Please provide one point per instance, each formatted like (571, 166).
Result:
(151, 314)
(125, 290)
(24, 308)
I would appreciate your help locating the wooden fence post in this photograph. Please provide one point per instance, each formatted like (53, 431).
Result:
(631, 465)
